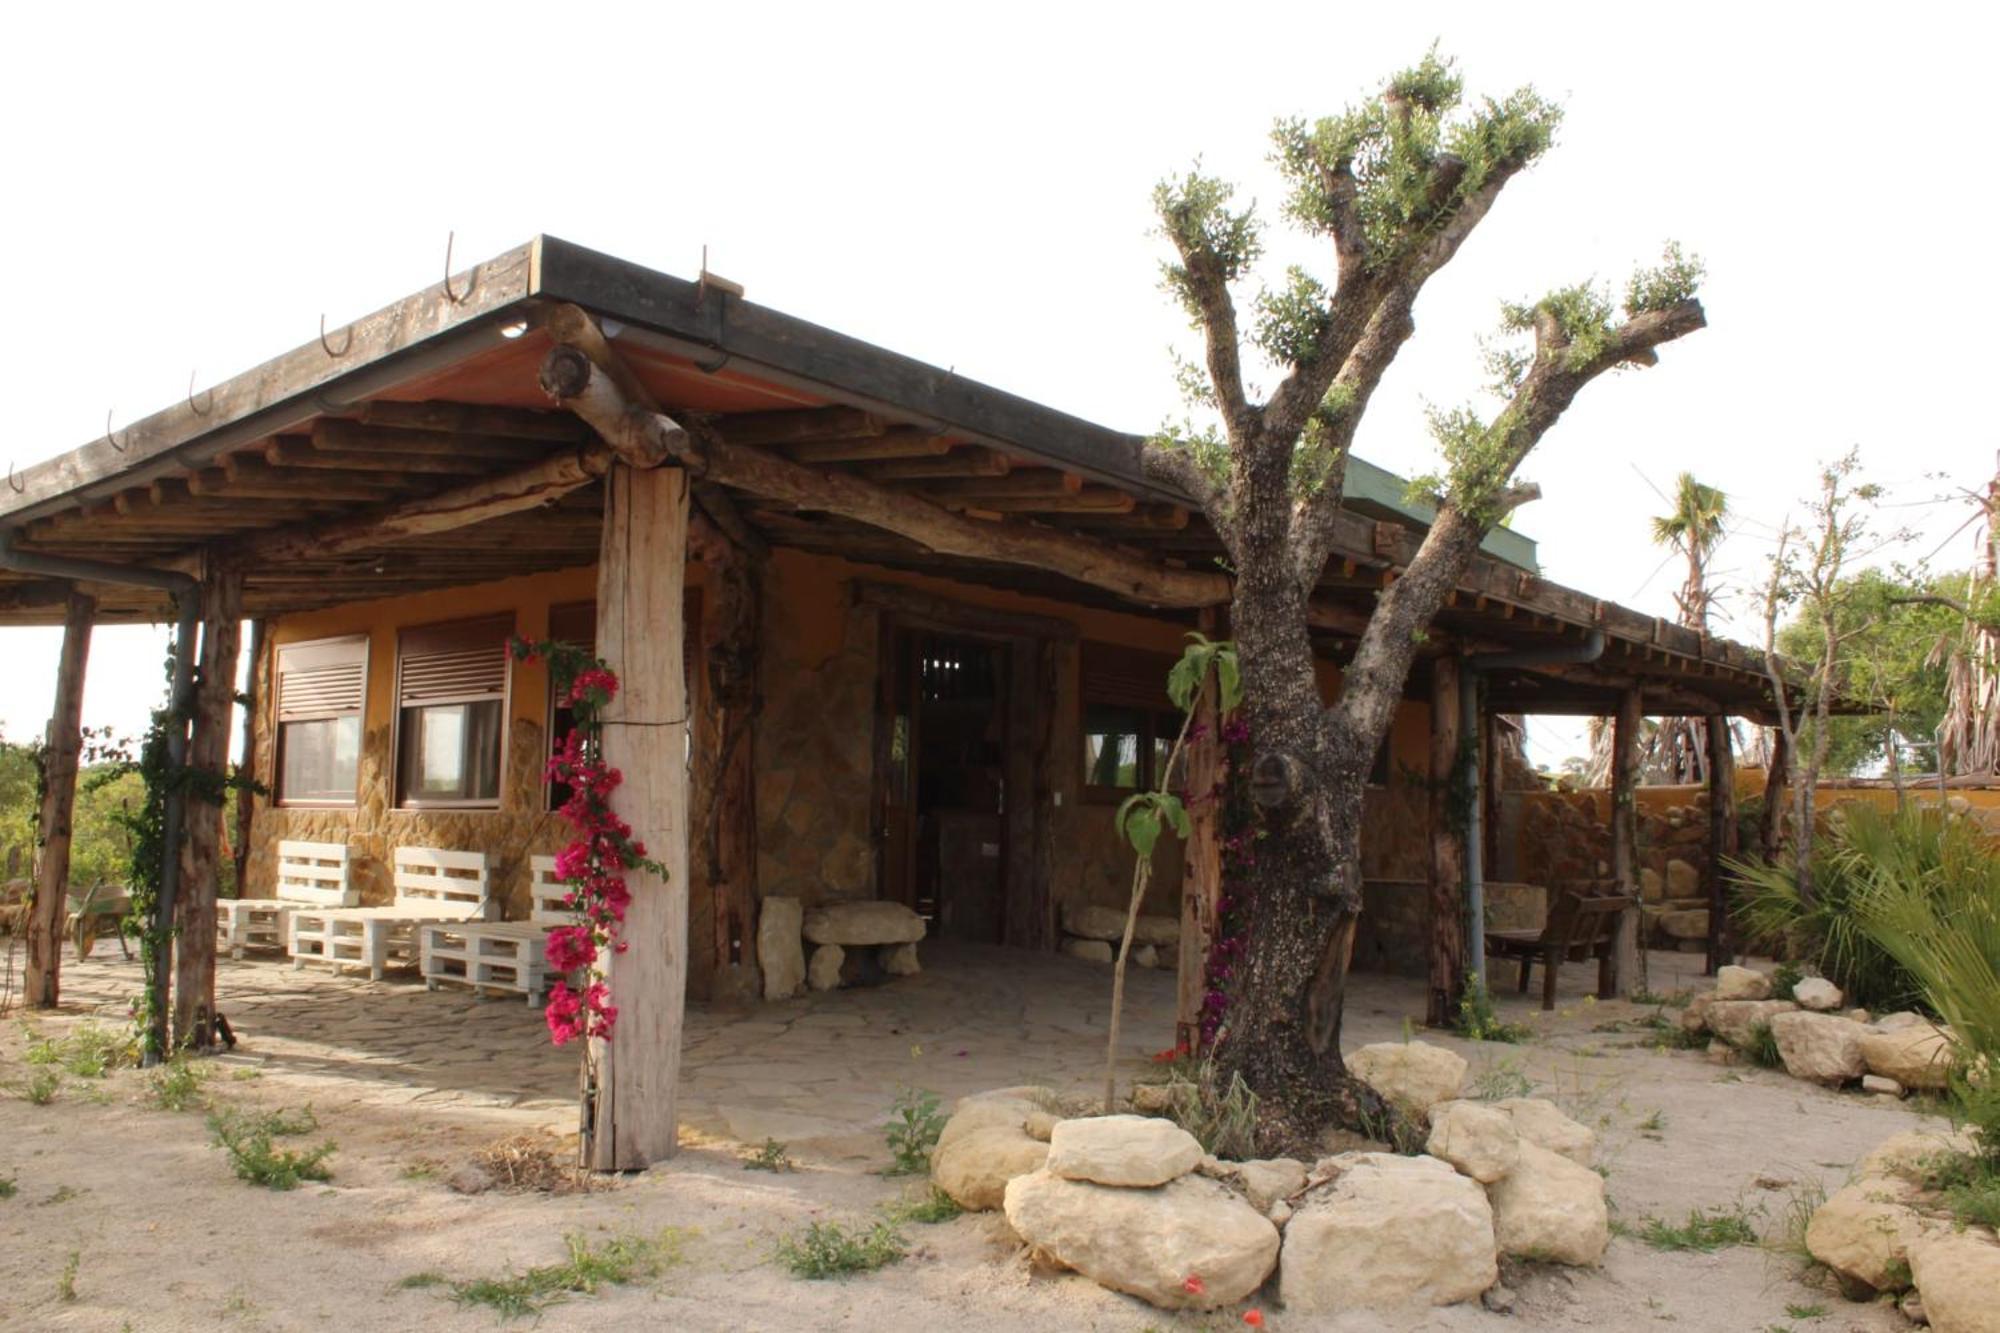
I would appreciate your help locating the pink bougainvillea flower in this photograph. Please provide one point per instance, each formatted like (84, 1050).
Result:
(1254, 1318)
(1193, 1285)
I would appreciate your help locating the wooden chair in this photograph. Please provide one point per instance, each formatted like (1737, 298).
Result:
(432, 887)
(500, 955)
(310, 874)
(1582, 924)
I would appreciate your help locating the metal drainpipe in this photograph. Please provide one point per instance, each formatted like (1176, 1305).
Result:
(187, 592)
(1471, 669)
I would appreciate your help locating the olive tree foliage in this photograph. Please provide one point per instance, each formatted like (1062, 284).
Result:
(1391, 188)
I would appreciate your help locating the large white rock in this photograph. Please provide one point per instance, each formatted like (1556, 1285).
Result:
(780, 956)
(1148, 1242)
(1135, 1151)
(1822, 1048)
(1916, 1056)
(1388, 1233)
(900, 960)
(1817, 994)
(1736, 1021)
(1479, 1139)
(1741, 983)
(1864, 1232)
(1413, 1074)
(1551, 1209)
(1683, 880)
(1911, 1152)
(1268, 1180)
(823, 972)
(872, 922)
(1539, 1121)
(1090, 951)
(1958, 1275)
(985, 1144)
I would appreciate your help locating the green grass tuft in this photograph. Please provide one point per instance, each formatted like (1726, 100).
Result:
(247, 1138)
(1763, 1048)
(773, 1157)
(929, 1208)
(176, 1085)
(1703, 1231)
(618, 1261)
(828, 1250)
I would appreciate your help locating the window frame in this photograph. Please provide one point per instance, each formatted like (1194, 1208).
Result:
(1115, 676)
(279, 722)
(400, 732)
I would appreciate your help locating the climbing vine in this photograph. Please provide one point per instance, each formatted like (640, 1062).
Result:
(596, 860)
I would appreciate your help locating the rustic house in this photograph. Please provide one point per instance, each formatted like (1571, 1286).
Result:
(886, 632)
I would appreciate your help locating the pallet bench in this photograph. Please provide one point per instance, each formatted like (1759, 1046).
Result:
(500, 955)
(310, 874)
(432, 887)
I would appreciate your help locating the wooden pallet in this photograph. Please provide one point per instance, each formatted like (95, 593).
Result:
(310, 874)
(433, 887)
(500, 955)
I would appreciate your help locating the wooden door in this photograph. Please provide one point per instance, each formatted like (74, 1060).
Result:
(895, 794)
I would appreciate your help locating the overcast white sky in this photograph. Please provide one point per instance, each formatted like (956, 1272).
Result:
(189, 187)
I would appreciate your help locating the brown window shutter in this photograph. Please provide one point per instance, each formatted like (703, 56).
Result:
(1111, 674)
(575, 624)
(455, 663)
(323, 678)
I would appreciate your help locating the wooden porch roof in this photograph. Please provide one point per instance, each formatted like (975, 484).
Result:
(439, 392)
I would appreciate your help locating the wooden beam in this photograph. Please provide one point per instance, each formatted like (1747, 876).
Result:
(296, 452)
(571, 378)
(902, 443)
(1447, 847)
(399, 442)
(812, 423)
(640, 585)
(1036, 481)
(42, 982)
(1722, 838)
(1142, 519)
(968, 461)
(462, 506)
(250, 479)
(1629, 958)
(1088, 500)
(475, 419)
(201, 848)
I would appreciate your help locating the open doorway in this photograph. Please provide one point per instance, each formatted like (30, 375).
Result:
(943, 796)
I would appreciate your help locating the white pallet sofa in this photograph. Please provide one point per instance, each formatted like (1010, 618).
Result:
(310, 874)
(432, 887)
(500, 955)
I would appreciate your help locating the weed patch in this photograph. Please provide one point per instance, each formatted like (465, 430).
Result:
(1703, 1231)
(88, 1052)
(1763, 1048)
(176, 1085)
(928, 1209)
(1500, 1080)
(1479, 1021)
(248, 1139)
(1223, 1119)
(618, 1261)
(42, 1086)
(66, 1280)
(915, 1122)
(1968, 1185)
(829, 1250)
(9, 1187)
(529, 1163)
(771, 1157)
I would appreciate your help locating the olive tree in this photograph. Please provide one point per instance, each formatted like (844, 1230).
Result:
(1391, 188)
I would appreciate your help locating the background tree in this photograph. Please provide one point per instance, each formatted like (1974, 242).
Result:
(1393, 187)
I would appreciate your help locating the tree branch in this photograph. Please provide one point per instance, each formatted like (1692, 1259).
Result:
(1180, 469)
(1207, 284)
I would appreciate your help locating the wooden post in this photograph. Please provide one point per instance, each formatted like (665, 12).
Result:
(201, 847)
(632, 1079)
(246, 757)
(1448, 827)
(1776, 777)
(1722, 838)
(1630, 955)
(723, 851)
(1201, 872)
(43, 979)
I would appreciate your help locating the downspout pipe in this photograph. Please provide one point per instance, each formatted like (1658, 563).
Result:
(1472, 668)
(186, 591)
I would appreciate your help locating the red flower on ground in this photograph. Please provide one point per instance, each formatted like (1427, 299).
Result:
(1254, 1318)
(1193, 1285)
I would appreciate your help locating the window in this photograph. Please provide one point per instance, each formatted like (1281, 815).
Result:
(451, 700)
(320, 687)
(1129, 725)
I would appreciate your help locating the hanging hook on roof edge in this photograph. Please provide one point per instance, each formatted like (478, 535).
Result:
(456, 297)
(208, 393)
(348, 345)
(111, 439)
(19, 487)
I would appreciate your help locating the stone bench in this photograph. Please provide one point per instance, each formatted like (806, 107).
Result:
(852, 943)
(1094, 934)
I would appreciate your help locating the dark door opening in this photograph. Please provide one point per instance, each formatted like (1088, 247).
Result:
(945, 781)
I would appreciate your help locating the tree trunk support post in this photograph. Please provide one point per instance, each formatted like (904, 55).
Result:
(1448, 821)
(1629, 956)
(632, 1078)
(1722, 838)
(1772, 818)
(1201, 874)
(201, 848)
(256, 694)
(60, 761)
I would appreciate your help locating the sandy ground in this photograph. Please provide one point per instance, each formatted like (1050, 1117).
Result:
(165, 1238)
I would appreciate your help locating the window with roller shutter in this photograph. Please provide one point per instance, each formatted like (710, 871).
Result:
(451, 712)
(321, 689)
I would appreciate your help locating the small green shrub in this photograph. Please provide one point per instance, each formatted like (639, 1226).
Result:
(828, 1250)
(1763, 1048)
(176, 1085)
(1969, 1184)
(914, 1125)
(42, 1086)
(9, 1187)
(616, 1262)
(1785, 979)
(1478, 1020)
(772, 1157)
(1805, 1311)
(247, 1139)
(88, 1052)
(1500, 1080)
(929, 1208)
(66, 1281)
(1221, 1116)
(1703, 1231)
